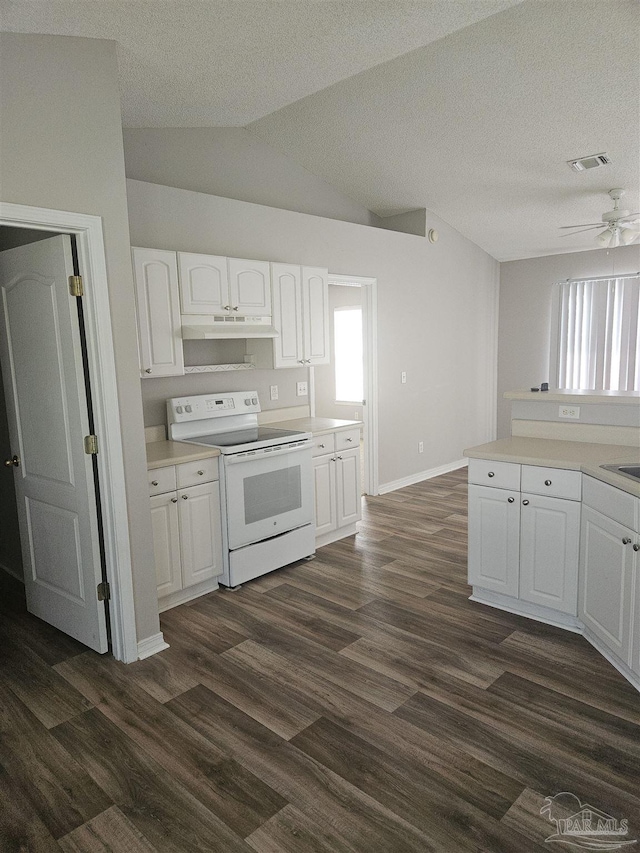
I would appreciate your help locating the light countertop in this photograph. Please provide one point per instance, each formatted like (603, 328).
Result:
(316, 426)
(575, 455)
(611, 398)
(162, 453)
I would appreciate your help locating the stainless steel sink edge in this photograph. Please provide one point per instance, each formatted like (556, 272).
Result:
(629, 470)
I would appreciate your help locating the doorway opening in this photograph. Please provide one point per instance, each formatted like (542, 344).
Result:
(26, 226)
(345, 389)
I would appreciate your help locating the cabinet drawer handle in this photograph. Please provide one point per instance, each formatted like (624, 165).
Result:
(174, 500)
(154, 482)
(227, 307)
(147, 370)
(510, 500)
(626, 541)
(349, 439)
(547, 482)
(636, 547)
(491, 474)
(200, 473)
(321, 445)
(525, 503)
(339, 457)
(236, 308)
(333, 458)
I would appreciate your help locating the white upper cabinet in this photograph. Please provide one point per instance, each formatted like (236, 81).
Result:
(158, 304)
(287, 314)
(315, 315)
(204, 284)
(301, 315)
(250, 287)
(210, 284)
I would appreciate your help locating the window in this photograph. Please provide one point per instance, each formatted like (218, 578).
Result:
(347, 326)
(597, 342)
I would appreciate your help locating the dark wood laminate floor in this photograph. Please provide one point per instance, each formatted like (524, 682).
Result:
(358, 703)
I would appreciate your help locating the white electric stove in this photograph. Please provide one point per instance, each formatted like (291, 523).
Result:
(266, 481)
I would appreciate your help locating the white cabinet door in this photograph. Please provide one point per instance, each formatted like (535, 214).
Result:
(200, 533)
(166, 542)
(349, 500)
(324, 479)
(549, 545)
(287, 314)
(250, 287)
(204, 284)
(635, 607)
(158, 304)
(494, 539)
(315, 307)
(606, 574)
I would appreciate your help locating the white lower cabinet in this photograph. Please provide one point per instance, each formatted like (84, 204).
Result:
(522, 544)
(337, 490)
(609, 596)
(549, 548)
(187, 531)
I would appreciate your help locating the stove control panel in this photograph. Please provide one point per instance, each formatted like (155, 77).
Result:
(206, 406)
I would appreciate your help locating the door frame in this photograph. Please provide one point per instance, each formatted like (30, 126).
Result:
(87, 230)
(369, 292)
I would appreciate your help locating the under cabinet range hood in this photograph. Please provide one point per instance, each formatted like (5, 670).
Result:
(224, 327)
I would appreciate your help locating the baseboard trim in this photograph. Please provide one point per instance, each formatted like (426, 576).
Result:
(420, 476)
(336, 535)
(151, 646)
(526, 609)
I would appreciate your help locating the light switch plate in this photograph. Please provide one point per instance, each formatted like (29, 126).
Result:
(273, 392)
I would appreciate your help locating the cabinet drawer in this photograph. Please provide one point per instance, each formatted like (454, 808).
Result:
(347, 439)
(501, 475)
(324, 444)
(556, 482)
(201, 471)
(162, 480)
(614, 503)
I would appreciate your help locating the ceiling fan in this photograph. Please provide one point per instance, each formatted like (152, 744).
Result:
(620, 227)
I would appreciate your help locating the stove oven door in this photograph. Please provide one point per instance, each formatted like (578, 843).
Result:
(268, 492)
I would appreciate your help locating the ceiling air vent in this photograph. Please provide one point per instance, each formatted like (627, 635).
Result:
(590, 162)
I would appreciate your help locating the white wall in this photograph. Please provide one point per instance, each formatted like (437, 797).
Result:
(325, 385)
(233, 163)
(436, 308)
(61, 148)
(525, 313)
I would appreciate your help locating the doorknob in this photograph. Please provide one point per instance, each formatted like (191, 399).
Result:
(14, 461)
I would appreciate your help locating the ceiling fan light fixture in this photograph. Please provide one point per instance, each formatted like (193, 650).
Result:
(628, 235)
(604, 238)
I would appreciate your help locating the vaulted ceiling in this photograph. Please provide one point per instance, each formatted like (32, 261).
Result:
(469, 108)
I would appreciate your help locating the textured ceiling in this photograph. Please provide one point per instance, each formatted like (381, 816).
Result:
(208, 63)
(469, 108)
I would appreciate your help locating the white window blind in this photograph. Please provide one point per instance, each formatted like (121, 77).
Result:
(597, 343)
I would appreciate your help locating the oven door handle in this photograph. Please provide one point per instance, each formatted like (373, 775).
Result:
(249, 456)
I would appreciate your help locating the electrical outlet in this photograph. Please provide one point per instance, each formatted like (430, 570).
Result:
(403, 377)
(421, 447)
(301, 389)
(273, 392)
(569, 412)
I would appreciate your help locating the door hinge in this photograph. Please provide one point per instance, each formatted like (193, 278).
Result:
(91, 444)
(75, 285)
(104, 592)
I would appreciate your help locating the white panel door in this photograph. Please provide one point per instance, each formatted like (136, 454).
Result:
(549, 549)
(166, 542)
(287, 314)
(250, 287)
(204, 284)
(158, 303)
(315, 307)
(606, 573)
(494, 539)
(324, 484)
(200, 533)
(42, 370)
(348, 487)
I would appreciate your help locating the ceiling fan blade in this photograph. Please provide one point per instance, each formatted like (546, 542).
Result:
(590, 228)
(583, 225)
